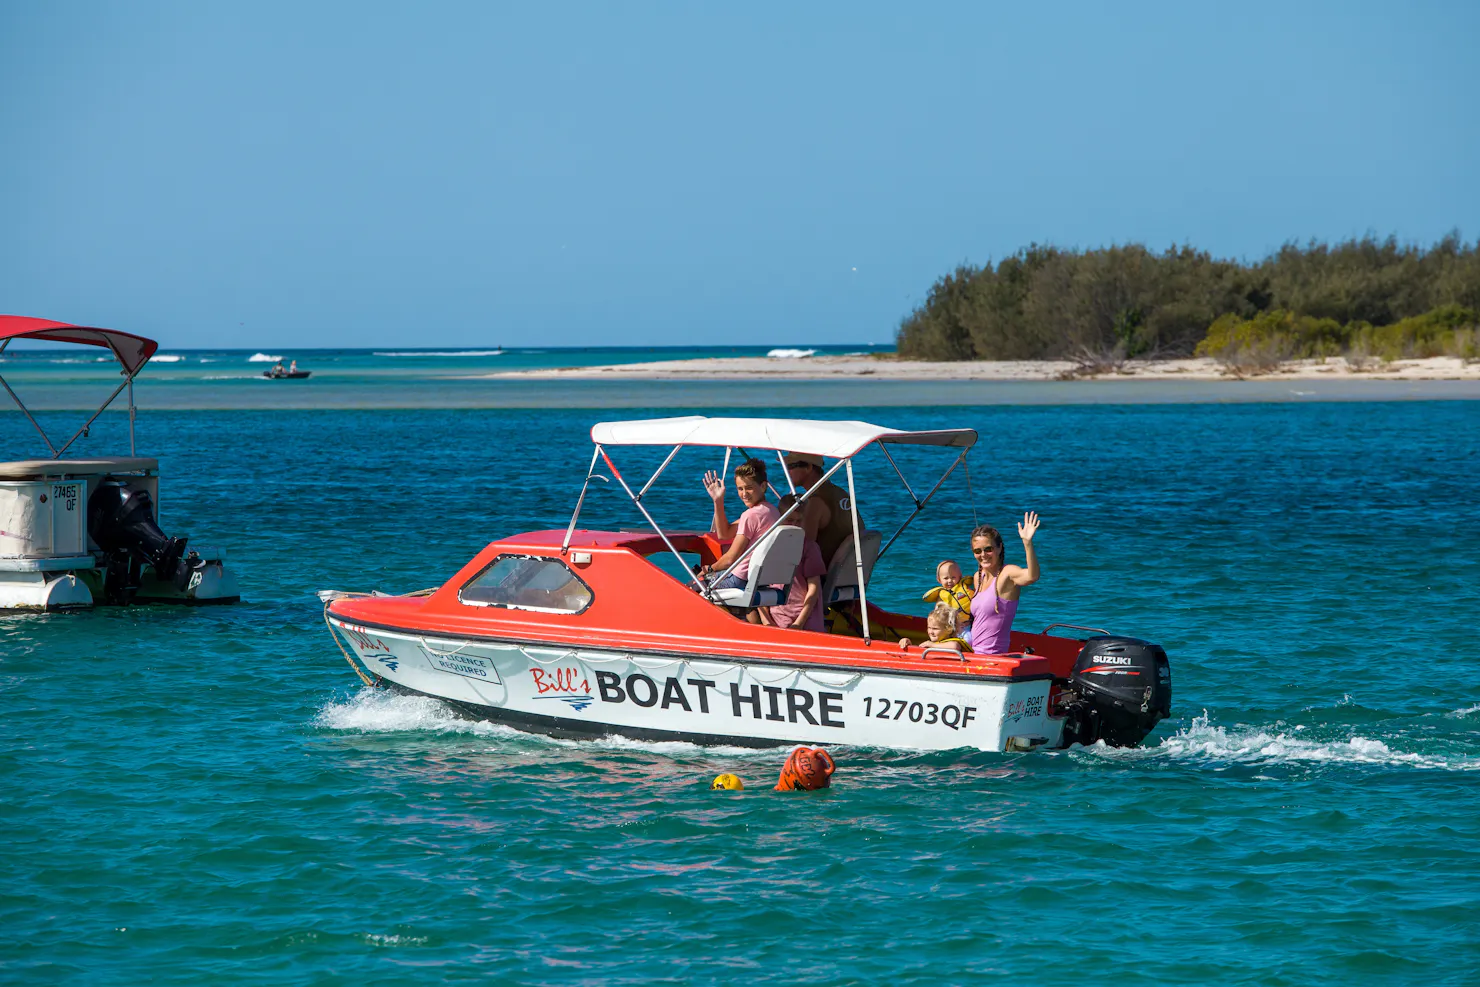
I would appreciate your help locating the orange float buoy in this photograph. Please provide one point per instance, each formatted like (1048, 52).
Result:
(806, 770)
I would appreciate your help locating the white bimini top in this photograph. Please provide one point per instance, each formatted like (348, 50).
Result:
(839, 440)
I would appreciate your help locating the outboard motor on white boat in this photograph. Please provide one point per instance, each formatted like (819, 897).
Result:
(1121, 687)
(121, 521)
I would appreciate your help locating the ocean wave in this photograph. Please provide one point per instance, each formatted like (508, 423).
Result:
(790, 354)
(1461, 713)
(263, 358)
(166, 358)
(1259, 746)
(442, 353)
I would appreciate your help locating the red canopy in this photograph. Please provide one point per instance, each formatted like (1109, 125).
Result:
(132, 351)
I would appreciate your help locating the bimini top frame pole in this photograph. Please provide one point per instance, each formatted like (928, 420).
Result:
(840, 440)
(26, 411)
(131, 351)
(919, 504)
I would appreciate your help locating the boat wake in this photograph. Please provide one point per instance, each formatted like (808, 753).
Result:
(783, 353)
(1260, 747)
(379, 711)
(263, 358)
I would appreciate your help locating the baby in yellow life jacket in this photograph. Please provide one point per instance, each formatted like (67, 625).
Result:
(953, 591)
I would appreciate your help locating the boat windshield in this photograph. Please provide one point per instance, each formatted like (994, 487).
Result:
(524, 582)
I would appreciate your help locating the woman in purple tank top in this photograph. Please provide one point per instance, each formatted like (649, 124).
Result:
(998, 586)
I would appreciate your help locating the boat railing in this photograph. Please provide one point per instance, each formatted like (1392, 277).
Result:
(1076, 627)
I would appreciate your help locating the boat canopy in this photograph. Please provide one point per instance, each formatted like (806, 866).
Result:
(840, 440)
(820, 438)
(132, 351)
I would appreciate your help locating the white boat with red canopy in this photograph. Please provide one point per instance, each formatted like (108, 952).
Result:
(581, 633)
(80, 531)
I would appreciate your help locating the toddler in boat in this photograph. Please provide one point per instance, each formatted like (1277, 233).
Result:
(940, 628)
(953, 591)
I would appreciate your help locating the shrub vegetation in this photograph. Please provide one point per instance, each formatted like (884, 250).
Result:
(1370, 299)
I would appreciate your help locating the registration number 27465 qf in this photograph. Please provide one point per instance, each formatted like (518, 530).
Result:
(954, 717)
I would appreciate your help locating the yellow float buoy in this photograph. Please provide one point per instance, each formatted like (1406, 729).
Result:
(727, 782)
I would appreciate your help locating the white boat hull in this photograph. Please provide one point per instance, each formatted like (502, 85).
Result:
(715, 700)
(42, 590)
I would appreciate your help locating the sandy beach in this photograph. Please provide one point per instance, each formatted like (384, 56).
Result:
(853, 367)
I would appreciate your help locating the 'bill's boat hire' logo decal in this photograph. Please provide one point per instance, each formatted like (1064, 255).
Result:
(1030, 707)
(566, 684)
(370, 647)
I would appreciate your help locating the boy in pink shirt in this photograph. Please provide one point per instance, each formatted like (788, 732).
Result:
(759, 515)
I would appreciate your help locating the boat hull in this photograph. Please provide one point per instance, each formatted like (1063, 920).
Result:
(712, 699)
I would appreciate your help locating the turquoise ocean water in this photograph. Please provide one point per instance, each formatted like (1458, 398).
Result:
(209, 796)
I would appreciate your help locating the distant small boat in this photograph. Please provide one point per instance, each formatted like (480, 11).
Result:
(286, 374)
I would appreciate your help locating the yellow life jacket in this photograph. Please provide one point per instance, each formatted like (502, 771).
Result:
(958, 599)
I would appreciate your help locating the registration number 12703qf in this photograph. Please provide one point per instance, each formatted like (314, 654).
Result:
(954, 717)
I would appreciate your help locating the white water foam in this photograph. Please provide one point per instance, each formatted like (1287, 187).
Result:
(166, 358)
(232, 377)
(1255, 746)
(1461, 713)
(263, 358)
(378, 940)
(790, 354)
(444, 353)
(378, 711)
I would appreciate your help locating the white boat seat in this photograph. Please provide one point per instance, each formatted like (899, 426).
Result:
(841, 582)
(772, 566)
(26, 469)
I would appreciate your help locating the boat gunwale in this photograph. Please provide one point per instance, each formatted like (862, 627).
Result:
(962, 676)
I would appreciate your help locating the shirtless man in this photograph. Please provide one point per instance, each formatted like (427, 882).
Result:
(826, 517)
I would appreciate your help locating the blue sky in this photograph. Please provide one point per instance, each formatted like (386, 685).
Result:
(469, 173)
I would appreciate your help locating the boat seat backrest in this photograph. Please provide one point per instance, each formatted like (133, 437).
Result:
(776, 558)
(772, 565)
(841, 581)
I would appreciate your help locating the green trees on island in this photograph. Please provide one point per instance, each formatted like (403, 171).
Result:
(1367, 298)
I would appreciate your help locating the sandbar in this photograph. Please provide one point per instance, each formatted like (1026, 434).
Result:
(854, 367)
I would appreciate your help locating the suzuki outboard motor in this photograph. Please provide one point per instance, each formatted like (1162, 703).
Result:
(1119, 690)
(122, 522)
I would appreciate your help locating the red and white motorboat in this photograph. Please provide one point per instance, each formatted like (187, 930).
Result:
(581, 633)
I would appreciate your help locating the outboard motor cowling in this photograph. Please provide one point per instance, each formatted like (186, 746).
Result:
(122, 523)
(1121, 687)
